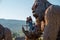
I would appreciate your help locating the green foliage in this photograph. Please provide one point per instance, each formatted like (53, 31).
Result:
(15, 34)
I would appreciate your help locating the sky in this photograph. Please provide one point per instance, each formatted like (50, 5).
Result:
(18, 9)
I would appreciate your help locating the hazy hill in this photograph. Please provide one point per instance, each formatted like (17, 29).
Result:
(13, 25)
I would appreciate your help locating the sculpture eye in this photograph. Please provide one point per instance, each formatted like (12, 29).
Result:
(36, 5)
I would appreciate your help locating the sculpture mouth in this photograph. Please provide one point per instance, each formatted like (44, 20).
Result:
(35, 15)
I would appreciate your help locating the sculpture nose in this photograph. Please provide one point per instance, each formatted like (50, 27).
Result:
(32, 7)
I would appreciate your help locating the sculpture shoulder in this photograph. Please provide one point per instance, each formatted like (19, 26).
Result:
(49, 9)
(52, 8)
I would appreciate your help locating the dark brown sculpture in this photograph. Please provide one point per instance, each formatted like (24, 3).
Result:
(39, 8)
(5, 33)
(49, 14)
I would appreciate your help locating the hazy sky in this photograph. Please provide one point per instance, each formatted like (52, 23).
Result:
(18, 9)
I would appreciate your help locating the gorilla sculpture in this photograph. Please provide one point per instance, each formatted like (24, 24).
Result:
(5, 33)
(49, 14)
(39, 8)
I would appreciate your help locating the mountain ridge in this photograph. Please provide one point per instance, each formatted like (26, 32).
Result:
(13, 25)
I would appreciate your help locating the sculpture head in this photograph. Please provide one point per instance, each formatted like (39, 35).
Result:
(38, 8)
